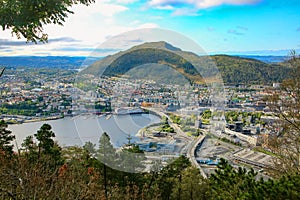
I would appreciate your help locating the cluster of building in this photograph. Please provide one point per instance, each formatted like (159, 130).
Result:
(35, 95)
(61, 95)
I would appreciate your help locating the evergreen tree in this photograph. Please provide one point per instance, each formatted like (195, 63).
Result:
(44, 135)
(131, 159)
(90, 147)
(107, 155)
(106, 152)
(170, 174)
(30, 148)
(5, 139)
(190, 185)
(230, 183)
(47, 146)
(28, 143)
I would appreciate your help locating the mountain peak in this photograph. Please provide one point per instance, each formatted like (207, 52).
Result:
(159, 45)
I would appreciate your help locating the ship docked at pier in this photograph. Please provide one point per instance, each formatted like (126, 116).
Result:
(128, 111)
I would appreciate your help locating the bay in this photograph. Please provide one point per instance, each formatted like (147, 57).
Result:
(80, 129)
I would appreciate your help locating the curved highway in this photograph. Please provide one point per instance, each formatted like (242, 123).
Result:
(192, 151)
(191, 147)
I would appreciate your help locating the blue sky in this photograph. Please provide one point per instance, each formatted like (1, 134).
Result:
(218, 26)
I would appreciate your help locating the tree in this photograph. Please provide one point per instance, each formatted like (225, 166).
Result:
(190, 185)
(131, 159)
(106, 151)
(5, 139)
(230, 183)
(28, 144)
(89, 147)
(206, 114)
(107, 155)
(30, 148)
(27, 17)
(48, 149)
(285, 104)
(171, 173)
(44, 136)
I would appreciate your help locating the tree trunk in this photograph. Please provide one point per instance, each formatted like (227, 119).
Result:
(105, 181)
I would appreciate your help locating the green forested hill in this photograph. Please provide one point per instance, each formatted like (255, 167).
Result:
(242, 70)
(140, 57)
(233, 69)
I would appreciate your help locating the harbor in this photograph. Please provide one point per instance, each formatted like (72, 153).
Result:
(75, 131)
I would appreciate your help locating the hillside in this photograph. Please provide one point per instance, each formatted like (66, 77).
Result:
(236, 70)
(233, 69)
(99, 66)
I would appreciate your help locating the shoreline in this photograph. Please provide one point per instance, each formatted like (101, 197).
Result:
(21, 120)
(140, 133)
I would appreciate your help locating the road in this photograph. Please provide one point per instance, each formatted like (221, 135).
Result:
(192, 151)
(190, 148)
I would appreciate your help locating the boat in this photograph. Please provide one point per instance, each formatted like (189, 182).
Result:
(108, 117)
(128, 110)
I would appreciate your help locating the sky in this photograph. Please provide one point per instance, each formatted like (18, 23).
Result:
(249, 27)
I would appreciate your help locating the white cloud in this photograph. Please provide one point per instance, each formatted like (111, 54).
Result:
(213, 3)
(126, 1)
(166, 7)
(199, 3)
(156, 3)
(102, 8)
(110, 10)
(191, 7)
(91, 24)
(186, 12)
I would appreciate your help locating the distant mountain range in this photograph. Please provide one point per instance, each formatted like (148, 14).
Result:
(266, 59)
(63, 62)
(157, 60)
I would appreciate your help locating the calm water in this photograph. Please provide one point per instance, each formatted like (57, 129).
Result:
(78, 130)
